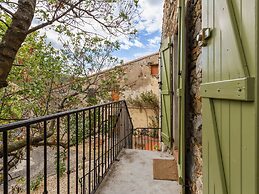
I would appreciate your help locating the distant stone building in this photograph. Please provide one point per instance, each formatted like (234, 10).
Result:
(140, 75)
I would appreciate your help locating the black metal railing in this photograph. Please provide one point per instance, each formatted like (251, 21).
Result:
(146, 139)
(86, 142)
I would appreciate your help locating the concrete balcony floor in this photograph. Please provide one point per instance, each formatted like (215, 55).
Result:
(133, 174)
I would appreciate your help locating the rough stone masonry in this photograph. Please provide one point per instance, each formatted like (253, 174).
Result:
(194, 78)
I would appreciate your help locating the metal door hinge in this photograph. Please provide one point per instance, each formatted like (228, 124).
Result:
(203, 37)
(179, 92)
(160, 85)
(180, 179)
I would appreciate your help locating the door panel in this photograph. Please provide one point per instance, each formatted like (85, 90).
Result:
(175, 73)
(166, 93)
(229, 117)
(181, 79)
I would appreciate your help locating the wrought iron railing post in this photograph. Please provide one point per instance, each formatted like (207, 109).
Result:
(77, 162)
(5, 161)
(58, 155)
(45, 158)
(90, 151)
(102, 121)
(28, 160)
(146, 138)
(98, 144)
(84, 158)
(68, 154)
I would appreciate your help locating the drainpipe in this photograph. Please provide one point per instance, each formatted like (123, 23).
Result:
(181, 92)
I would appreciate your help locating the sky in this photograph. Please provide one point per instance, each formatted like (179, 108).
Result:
(147, 40)
(149, 29)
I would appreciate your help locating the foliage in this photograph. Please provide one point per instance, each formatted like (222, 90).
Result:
(44, 79)
(77, 132)
(4, 25)
(39, 66)
(86, 24)
(62, 165)
(36, 183)
(156, 147)
(147, 100)
(44, 76)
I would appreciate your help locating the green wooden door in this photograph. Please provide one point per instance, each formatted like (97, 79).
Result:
(166, 95)
(230, 113)
(181, 79)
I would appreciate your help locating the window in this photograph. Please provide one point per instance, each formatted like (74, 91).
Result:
(154, 69)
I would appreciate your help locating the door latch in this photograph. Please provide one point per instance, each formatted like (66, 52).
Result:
(203, 37)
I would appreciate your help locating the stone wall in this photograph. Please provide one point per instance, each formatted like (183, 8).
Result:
(136, 79)
(193, 80)
(170, 26)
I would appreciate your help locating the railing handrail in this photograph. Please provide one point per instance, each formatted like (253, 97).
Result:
(23, 123)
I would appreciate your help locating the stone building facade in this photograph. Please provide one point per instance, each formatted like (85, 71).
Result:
(139, 76)
(193, 80)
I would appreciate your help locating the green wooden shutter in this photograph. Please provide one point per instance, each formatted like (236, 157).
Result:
(230, 114)
(166, 95)
(181, 79)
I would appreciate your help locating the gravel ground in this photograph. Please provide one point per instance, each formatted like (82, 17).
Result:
(17, 185)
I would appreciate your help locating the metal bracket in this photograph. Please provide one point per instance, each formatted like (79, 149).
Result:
(203, 37)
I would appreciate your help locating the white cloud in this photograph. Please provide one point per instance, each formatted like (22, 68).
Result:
(149, 21)
(127, 44)
(151, 15)
(138, 44)
(154, 42)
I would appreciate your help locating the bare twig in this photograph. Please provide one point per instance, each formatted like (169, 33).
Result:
(54, 19)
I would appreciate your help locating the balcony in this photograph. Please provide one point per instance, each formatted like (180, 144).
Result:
(95, 150)
(133, 173)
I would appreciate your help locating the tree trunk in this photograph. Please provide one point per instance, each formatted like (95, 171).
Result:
(14, 37)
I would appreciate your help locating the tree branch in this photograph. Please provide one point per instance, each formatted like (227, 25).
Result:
(6, 10)
(54, 19)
